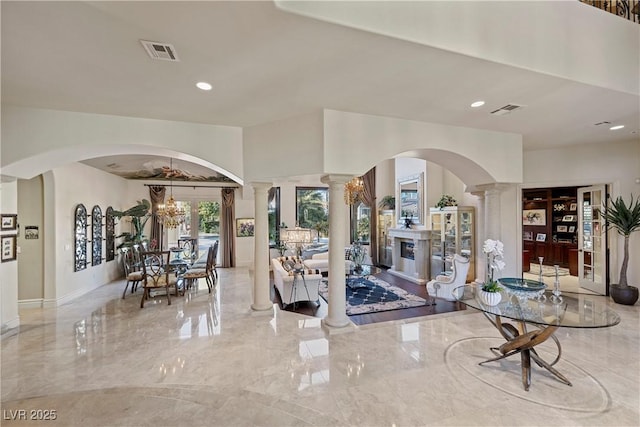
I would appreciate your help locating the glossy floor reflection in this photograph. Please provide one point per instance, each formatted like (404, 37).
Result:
(209, 360)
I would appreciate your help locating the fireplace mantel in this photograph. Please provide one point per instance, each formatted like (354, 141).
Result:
(415, 270)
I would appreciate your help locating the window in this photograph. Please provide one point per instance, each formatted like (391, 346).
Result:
(312, 209)
(360, 223)
(273, 208)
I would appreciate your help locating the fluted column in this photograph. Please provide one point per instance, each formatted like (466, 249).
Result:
(261, 288)
(492, 208)
(337, 316)
(480, 234)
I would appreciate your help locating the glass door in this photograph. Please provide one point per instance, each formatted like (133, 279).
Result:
(592, 242)
(208, 217)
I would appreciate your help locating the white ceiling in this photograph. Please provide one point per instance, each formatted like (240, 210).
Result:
(266, 64)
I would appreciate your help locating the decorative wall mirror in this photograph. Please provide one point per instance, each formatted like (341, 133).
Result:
(410, 199)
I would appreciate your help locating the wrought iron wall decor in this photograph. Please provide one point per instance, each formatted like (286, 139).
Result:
(110, 226)
(628, 9)
(96, 235)
(80, 247)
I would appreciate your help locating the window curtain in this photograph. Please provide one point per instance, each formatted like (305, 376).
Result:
(369, 199)
(227, 217)
(156, 194)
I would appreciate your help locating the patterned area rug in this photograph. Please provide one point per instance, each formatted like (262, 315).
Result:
(547, 270)
(372, 295)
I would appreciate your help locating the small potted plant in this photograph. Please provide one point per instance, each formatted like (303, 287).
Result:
(446, 200)
(625, 220)
(387, 202)
(490, 291)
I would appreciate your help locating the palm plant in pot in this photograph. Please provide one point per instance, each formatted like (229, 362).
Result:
(625, 219)
(139, 215)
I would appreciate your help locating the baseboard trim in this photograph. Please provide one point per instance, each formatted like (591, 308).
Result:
(30, 303)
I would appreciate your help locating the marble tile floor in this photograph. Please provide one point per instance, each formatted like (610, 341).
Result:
(208, 360)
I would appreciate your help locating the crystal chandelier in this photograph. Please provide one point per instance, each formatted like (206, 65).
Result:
(353, 191)
(170, 214)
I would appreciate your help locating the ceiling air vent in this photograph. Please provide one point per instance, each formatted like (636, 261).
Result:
(506, 109)
(163, 51)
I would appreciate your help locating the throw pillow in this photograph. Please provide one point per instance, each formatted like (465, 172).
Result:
(347, 254)
(288, 265)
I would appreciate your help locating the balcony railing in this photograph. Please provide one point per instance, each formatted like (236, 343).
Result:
(628, 9)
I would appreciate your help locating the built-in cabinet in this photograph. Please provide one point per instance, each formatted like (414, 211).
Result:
(452, 232)
(550, 225)
(386, 220)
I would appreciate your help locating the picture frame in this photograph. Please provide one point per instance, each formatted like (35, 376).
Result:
(568, 218)
(541, 237)
(562, 229)
(9, 251)
(573, 206)
(534, 217)
(8, 222)
(245, 227)
(527, 235)
(572, 229)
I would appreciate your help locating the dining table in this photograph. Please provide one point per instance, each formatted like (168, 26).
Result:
(529, 314)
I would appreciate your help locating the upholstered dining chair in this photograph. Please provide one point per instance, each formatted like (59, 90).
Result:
(132, 268)
(157, 273)
(202, 264)
(443, 285)
(192, 275)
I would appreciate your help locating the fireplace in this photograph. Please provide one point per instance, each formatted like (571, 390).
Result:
(406, 250)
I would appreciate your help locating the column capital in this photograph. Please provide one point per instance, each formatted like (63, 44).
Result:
(493, 188)
(336, 178)
(259, 185)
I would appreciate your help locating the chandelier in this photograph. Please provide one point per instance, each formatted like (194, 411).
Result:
(170, 214)
(353, 191)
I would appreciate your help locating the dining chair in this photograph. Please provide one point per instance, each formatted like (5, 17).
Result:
(157, 274)
(132, 268)
(192, 275)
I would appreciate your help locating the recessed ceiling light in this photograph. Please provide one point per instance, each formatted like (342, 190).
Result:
(477, 104)
(204, 86)
(616, 127)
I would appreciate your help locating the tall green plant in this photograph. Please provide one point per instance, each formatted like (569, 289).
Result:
(625, 220)
(139, 216)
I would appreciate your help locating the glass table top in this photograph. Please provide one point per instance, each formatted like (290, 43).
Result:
(574, 311)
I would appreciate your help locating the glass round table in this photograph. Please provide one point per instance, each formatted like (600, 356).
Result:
(542, 312)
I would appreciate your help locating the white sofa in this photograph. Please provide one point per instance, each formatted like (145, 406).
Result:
(321, 262)
(291, 286)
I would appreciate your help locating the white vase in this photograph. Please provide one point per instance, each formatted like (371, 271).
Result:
(490, 298)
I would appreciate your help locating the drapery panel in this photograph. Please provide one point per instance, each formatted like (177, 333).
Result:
(369, 199)
(156, 195)
(227, 217)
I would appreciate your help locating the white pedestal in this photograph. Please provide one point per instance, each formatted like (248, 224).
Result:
(415, 270)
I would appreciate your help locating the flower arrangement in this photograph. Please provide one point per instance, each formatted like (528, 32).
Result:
(494, 249)
(446, 200)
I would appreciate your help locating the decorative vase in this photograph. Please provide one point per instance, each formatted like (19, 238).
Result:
(490, 298)
(408, 222)
(626, 296)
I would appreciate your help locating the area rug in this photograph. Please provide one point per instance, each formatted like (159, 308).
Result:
(373, 295)
(547, 270)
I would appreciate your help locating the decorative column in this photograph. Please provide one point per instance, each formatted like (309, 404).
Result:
(481, 236)
(261, 286)
(337, 316)
(492, 208)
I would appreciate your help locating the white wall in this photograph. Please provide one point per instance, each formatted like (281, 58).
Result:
(74, 184)
(31, 261)
(616, 164)
(9, 270)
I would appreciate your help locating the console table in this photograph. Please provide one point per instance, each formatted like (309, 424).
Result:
(545, 316)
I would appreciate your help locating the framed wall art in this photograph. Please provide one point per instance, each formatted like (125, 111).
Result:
(573, 206)
(9, 248)
(245, 227)
(541, 237)
(527, 235)
(534, 217)
(568, 218)
(572, 229)
(9, 222)
(562, 229)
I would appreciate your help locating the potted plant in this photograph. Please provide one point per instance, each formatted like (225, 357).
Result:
(139, 216)
(446, 200)
(625, 219)
(490, 291)
(387, 202)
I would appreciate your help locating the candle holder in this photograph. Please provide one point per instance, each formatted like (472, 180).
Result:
(556, 298)
(540, 258)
